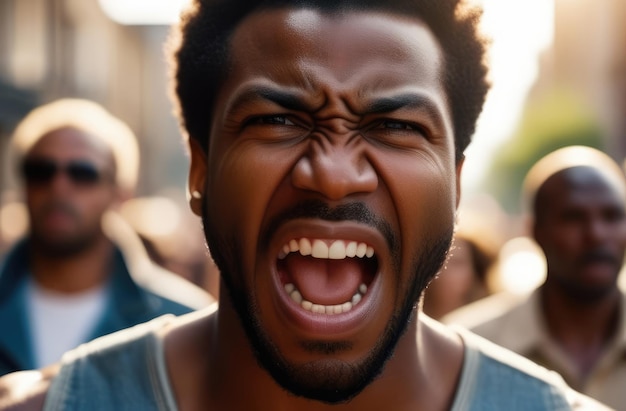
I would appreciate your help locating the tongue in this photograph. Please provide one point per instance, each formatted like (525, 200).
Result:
(326, 282)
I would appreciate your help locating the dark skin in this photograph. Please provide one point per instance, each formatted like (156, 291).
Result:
(68, 216)
(581, 226)
(69, 251)
(267, 154)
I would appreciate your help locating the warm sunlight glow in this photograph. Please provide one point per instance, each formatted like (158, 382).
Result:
(521, 30)
(523, 265)
(13, 221)
(143, 12)
(152, 216)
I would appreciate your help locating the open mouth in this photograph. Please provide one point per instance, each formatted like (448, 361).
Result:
(325, 276)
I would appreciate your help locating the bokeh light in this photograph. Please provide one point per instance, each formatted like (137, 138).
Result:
(522, 265)
(143, 12)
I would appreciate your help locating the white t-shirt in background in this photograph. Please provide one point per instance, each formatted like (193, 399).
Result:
(61, 321)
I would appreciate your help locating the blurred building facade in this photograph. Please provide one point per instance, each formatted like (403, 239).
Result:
(70, 48)
(588, 58)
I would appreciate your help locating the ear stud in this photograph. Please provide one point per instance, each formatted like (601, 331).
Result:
(196, 194)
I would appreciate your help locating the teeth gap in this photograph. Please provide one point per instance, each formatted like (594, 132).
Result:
(296, 297)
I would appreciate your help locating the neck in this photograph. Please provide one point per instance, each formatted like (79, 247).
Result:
(568, 316)
(581, 330)
(70, 274)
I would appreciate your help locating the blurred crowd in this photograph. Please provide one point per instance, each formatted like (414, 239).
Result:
(83, 256)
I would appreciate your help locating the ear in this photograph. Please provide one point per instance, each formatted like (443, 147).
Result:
(459, 168)
(197, 176)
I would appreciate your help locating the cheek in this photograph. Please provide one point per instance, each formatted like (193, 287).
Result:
(31, 198)
(620, 235)
(561, 250)
(240, 186)
(424, 198)
(566, 241)
(426, 202)
(37, 195)
(96, 203)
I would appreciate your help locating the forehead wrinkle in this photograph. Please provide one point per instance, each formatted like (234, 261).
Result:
(405, 100)
(287, 97)
(322, 80)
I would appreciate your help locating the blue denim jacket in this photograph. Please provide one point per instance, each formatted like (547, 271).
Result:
(128, 303)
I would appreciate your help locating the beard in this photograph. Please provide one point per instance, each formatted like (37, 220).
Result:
(61, 246)
(579, 292)
(332, 380)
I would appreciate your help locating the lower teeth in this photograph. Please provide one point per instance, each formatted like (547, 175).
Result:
(296, 296)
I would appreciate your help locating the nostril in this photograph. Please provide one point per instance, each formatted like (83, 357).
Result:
(334, 175)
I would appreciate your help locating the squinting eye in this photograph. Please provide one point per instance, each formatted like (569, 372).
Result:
(273, 120)
(398, 125)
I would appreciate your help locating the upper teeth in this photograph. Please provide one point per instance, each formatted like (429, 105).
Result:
(337, 250)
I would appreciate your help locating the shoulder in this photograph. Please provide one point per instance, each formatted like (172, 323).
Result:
(498, 317)
(26, 390)
(123, 343)
(489, 309)
(90, 367)
(177, 295)
(110, 372)
(496, 376)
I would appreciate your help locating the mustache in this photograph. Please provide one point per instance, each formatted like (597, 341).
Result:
(600, 255)
(59, 206)
(317, 209)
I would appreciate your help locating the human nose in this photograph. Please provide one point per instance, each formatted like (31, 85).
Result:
(60, 183)
(598, 230)
(335, 169)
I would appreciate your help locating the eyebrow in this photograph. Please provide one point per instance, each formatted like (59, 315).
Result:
(293, 101)
(283, 98)
(403, 101)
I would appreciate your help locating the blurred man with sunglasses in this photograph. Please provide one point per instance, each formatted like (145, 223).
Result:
(69, 281)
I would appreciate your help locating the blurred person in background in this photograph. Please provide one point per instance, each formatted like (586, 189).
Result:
(575, 322)
(177, 242)
(465, 277)
(13, 219)
(77, 274)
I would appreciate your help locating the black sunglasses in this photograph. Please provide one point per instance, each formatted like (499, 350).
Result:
(42, 171)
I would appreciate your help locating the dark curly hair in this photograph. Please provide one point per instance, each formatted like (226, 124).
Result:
(199, 51)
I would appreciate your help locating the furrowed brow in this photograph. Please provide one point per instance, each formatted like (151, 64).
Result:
(411, 101)
(286, 99)
(393, 103)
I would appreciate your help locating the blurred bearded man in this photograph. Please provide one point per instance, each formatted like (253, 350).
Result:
(68, 281)
(575, 322)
